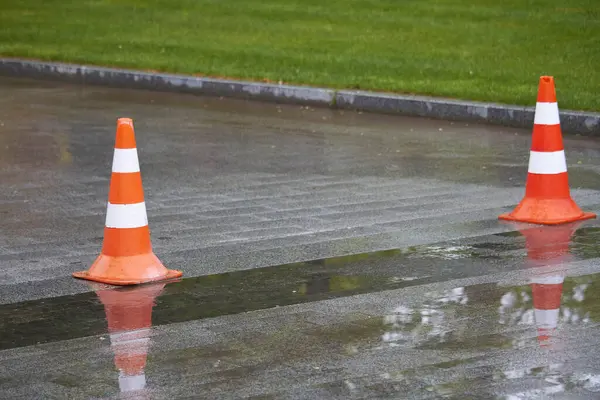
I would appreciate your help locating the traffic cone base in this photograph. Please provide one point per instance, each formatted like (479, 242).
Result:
(128, 270)
(547, 212)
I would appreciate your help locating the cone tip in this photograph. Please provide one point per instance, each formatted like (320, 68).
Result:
(125, 134)
(125, 121)
(546, 90)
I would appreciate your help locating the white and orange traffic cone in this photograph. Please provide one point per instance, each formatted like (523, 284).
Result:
(126, 257)
(129, 316)
(547, 196)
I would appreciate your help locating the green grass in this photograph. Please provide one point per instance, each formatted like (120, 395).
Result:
(487, 50)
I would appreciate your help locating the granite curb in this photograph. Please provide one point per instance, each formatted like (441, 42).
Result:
(583, 123)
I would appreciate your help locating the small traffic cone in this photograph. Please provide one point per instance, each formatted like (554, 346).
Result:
(126, 257)
(547, 198)
(129, 315)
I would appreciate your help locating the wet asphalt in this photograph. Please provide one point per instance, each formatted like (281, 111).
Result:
(326, 255)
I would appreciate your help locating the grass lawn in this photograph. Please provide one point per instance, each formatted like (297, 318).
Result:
(482, 50)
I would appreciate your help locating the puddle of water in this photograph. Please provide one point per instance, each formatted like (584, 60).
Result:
(80, 315)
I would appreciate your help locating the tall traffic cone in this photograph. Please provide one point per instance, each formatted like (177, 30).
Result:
(547, 196)
(126, 257)
(129, 315)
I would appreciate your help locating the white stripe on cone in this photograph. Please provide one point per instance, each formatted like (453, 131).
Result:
(131, 343)
(548, 280)
(547, 162)
(124, 216)
(546, 114)
(129, 383)
(129, 335)
(125, 161)
(546, 319)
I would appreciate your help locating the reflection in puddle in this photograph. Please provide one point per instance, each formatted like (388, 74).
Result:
(447, 253)
(414, 325)
(129, 316)
(444, 321)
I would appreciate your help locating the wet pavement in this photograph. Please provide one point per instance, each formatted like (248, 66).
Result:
(326, 255)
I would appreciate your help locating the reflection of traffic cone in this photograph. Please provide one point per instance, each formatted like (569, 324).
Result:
(129, 316)
(546, 247)
(547, 196)
(546, 292)
(127, 257)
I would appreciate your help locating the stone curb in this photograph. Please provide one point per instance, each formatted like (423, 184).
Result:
(584, 123)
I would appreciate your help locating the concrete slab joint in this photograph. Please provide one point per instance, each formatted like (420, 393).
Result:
(583, 123)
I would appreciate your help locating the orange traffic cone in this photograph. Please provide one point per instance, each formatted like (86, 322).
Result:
(129, 316)
(126, 257)
(547, 196)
